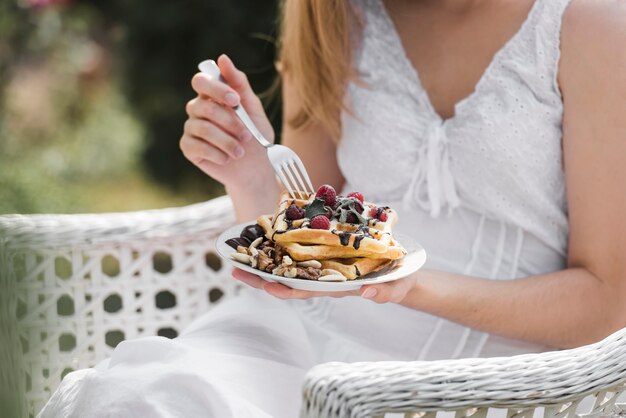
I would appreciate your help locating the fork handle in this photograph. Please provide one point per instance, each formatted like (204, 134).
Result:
(210, 68)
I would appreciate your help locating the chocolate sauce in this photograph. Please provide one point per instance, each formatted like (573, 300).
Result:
(276, 218)
(357, 241)
(344, 238)
(365, 230)
(278, 232)
(358, 273)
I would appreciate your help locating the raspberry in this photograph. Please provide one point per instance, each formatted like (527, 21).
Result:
(327, 194)
(378, 213)
(294, 212)
(358, 207)
(320, 222)
(356, 195)
(351, 218)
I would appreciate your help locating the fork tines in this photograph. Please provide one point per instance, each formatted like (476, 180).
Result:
(294, 177)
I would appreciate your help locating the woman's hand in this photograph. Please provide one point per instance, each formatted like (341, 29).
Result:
(394, 291)
(216, 141)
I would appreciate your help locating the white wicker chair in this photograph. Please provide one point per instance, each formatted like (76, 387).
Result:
(76, 285)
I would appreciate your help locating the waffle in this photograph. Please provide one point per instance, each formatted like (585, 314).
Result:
(353, 249)
(355, 268)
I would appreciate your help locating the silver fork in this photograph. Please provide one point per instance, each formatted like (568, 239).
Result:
(286, 163)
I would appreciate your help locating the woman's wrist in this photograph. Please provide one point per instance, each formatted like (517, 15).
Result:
(254, 197)
(410, 292)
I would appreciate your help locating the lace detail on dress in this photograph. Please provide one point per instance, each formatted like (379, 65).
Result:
(500, 154)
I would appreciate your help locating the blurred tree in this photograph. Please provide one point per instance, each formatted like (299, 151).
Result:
(92, 94)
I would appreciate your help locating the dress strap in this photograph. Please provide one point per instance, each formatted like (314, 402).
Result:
(548, 31)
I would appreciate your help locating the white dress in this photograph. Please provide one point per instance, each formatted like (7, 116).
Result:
(483, 192)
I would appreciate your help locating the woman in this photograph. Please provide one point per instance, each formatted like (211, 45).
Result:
(501, 146)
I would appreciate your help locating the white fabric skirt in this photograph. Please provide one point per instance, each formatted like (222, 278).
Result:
(248, 358)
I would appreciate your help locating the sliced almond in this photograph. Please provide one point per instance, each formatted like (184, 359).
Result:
(242, 250)
(332, 278)
(256, 242)
(311, 263)
(253, 251)
(330, 272)
(254, 260)
(242, 258)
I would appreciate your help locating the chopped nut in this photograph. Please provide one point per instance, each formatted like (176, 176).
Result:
(328, 272)
(256, 242)
(254, 260)
(311, 263)
(263, 261)
(332, 278)
(279, 252)
(291, 272)
(314, 272)
(270, 267)
(253, 251)
(279, 271)
(308, 273)
(242, 258)
(242, 250)
(286, 261)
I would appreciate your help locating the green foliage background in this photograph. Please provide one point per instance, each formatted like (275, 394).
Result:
(92, 97)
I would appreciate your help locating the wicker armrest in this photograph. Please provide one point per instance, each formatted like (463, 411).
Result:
(519, 382)
(73, 286)
(49, 231)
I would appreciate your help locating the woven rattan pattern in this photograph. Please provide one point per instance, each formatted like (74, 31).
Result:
(75, 285)
(556, 380)
(83, 283)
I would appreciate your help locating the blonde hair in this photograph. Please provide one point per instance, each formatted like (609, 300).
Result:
(315, 52)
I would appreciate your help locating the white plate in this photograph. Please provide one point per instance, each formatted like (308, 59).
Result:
(412, 262)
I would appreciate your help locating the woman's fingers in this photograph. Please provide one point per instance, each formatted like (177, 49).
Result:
(248, 278)
(239, 81)
(197, 150)
(205, 86)
(212, 111)
(394, 291)
(283, 292)
(215, 136)
(380, 293)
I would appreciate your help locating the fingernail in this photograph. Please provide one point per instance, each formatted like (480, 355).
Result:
(238, 152)
(231, 99)
(245, 136)
(369, 293)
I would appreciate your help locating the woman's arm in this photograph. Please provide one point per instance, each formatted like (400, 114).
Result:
(586, 301)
